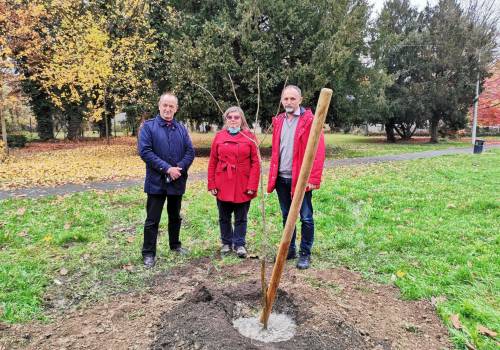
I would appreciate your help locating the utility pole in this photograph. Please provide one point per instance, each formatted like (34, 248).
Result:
(476, 103)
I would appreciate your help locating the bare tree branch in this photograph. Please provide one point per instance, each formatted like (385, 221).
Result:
(220, 109)
(234, 90)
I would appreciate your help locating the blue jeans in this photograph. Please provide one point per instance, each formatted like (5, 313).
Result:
(229, 235)
(284, 191)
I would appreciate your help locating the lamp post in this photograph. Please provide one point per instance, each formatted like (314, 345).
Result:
(476, 103)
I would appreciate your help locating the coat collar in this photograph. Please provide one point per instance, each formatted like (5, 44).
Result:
(162, 122)
(302, 112)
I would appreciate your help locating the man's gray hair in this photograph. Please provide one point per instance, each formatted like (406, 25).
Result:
(294, 87)
(168, 93)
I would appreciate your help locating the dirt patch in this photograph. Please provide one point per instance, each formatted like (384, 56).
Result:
(205, 321)
(193, 307)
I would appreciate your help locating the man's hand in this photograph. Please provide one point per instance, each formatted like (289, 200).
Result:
(174, 172)
(311, 187)
(214, 192)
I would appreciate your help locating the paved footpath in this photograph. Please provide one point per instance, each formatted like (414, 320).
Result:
(113, 185)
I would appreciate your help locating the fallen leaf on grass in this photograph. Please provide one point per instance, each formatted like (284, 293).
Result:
(130, 239)
(58, 282)
(400, 274)
(451, 206)
(470, 346)
(21, 211)
(128, 267)
(63, 271)
(438, 300)
(23, 234)
(455, 321)
(485, 331)
(67, 226)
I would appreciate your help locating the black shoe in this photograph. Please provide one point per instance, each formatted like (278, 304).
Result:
(181, 251)
(149, 261)
(304, 262)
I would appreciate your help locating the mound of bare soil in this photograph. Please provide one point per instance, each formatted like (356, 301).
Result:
(205, 321)
(193, 307)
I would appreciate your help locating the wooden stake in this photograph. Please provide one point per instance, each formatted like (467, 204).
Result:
(263, 286)
(305, 172)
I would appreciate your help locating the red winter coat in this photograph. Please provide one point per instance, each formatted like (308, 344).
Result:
(234, 166)
(299, 147)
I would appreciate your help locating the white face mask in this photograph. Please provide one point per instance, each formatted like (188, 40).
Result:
(289, 109)
(233, 130)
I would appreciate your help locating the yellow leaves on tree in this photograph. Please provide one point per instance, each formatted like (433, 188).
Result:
(91, 63)
(80, 68)
(19, 40)
(21, 34)
(132, 86)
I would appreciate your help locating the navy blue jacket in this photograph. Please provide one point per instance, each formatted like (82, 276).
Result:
(162, 146)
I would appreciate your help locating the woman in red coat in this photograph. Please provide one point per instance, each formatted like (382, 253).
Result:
(233, 177)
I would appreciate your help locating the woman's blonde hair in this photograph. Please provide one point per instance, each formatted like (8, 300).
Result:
(244, 124)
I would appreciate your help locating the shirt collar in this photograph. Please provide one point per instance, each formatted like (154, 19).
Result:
(299, 111)
(163, 122)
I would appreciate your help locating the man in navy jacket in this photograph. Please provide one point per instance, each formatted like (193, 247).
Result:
(166, 148)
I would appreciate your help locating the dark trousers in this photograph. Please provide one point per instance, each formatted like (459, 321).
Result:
(284, 190)
(228, 235)
(154, 208)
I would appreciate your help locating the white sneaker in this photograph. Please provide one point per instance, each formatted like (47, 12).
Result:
(241, 252)
(225, 249)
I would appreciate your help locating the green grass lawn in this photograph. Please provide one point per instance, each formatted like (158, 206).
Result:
(348, 145)
(429, 226)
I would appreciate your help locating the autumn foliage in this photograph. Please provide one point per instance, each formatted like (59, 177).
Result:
(489, 101)
(53, 164)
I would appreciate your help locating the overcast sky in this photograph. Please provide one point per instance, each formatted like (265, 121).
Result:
(420, 4)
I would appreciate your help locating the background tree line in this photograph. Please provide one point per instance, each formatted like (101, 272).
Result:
(80, 61)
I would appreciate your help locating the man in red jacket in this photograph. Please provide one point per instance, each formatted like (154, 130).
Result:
(290, 134)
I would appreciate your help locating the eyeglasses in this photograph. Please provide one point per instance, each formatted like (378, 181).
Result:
(233, 117)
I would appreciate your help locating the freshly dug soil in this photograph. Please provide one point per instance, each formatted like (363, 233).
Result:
(205, 321)
(193, 307)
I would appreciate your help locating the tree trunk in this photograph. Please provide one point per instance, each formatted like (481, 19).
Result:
(389, 131)
(433, 130)
(102, 127)
(4, 133)
(404, 130)
(74, 123)
(42, 109)
(44, 122)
